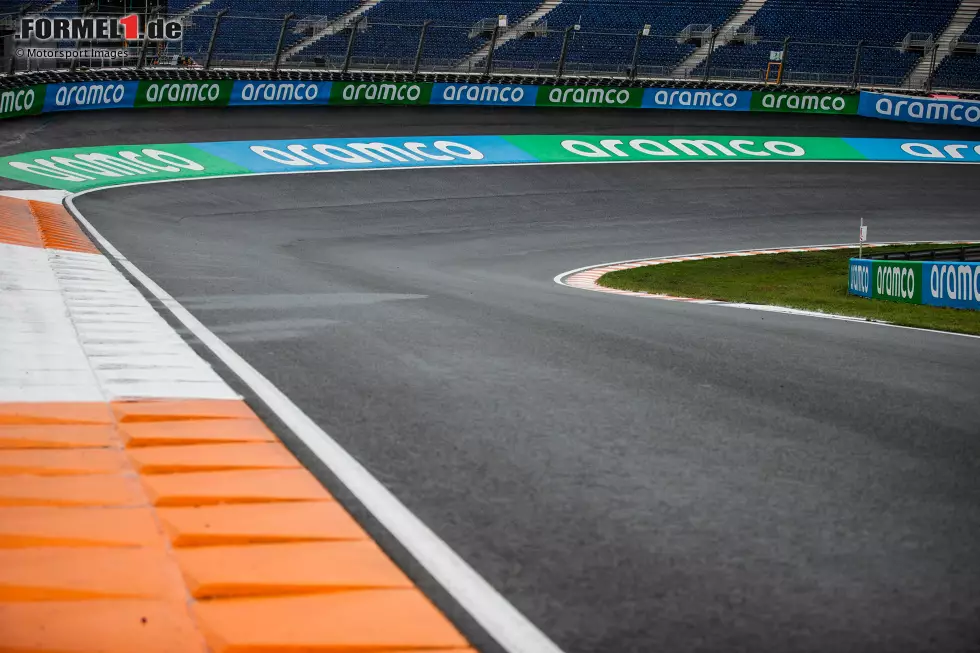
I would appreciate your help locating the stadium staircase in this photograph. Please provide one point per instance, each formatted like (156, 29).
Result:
(333, 27)
(740, 17)
(518, 30)
(958, 24)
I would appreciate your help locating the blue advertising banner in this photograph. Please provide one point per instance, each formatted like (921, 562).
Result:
(894, 149)
(698, 99)
(90, 95)
(485, 94)
(859, 281)
(919, 109)
(953, 284)
(268, 93)
(352, 154)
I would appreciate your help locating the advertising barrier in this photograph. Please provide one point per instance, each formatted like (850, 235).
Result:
(590, 96)
(90, 95)
(76, 169)
(218, 93)
(183, 93)
(698, 99)
(918, 109)
(25, 101)
(348, 93)
(496, 95)
(826, 103)
(952, 284)
(278, 93)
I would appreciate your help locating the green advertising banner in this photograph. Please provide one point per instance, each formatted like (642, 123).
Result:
(94, 167)
(589, 96)
(348, 93)
(681, 148)
(897, 281)
(826, 103)
(26, 101)
(207, 93)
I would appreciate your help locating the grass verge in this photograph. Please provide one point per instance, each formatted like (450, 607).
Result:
(813, 281)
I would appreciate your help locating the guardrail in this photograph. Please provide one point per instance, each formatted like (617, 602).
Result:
(964, 253)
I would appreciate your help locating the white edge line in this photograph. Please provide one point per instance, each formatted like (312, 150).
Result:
(459, 165)
(560, 280)
(502, 621)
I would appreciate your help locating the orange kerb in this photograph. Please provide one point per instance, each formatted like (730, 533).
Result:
(259, 523)
(17, 226)
(369, 620)
(59, 230)
(211, 457)
(90, 494)
(294, 568)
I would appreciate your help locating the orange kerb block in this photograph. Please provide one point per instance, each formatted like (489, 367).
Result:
(107, 626)
(17, 226)
(250, 486)
(210, 431)
(181, 409)
(259, 523)
(62, 462)
(369, 620)
(95, 490)
(295, 568)
(210, 457)
(69, 574)
(57, 436)
(54, 412)
(59, 230)
(77, 527)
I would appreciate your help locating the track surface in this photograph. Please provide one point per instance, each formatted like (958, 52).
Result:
(632, 475)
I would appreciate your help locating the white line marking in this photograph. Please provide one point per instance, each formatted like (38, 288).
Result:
(502, 621)
(488, 165)
(605, 267)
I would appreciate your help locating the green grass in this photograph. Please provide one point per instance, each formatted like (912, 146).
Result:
(813, 281)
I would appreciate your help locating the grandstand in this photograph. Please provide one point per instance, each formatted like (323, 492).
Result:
(961, 69)
(883, 43)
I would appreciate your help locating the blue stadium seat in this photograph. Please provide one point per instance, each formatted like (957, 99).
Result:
(881, 24)
(961, 71)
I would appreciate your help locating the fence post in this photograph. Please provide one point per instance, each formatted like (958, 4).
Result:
(78, 44)
(857, 64)
(564, 52)
(707, 59)
(932, 67)
(214, 37)
(784, 62)
(418, 52)
(282, 37)
(493, 44)
(636, 55)
(350, 44)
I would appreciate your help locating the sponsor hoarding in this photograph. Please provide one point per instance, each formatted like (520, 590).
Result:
(272, 93)
(24, 101)
(919, 109)
(697, 99)
(589, 96)
(954, 284)
(346, 93)
(826, 103)
(859, 278)
(183, 93)
(90, 95)
(524, 95)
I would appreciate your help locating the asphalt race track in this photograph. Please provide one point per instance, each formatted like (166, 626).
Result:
(633, 475)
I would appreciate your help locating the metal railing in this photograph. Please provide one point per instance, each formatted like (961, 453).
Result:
(348, 45)
(962, 253)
